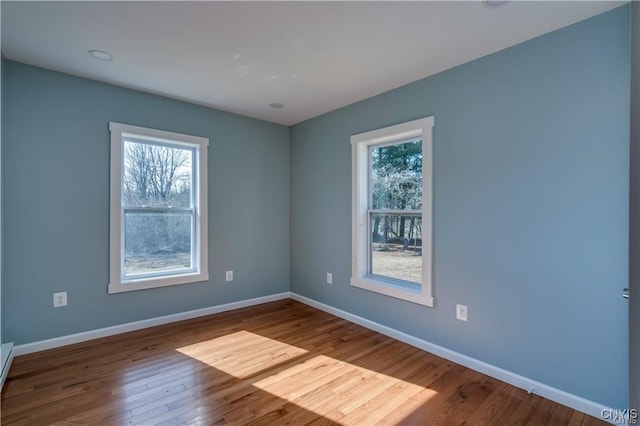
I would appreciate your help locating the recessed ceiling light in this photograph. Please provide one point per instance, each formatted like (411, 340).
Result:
(276, 105)
(101, 55)
(494, 3)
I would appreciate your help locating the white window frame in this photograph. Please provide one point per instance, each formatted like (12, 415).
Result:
(360, 144)
(117, 281)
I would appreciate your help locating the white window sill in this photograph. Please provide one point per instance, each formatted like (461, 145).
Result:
(394, 290)
(155, 282)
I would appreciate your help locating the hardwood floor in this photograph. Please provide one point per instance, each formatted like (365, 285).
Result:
(272, 364)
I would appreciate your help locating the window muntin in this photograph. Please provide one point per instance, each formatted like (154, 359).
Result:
(392, 210)
(158, 208)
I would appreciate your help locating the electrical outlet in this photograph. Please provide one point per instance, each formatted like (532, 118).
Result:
(228, 276)
(329, 278)
(59, 299)
(462, 312)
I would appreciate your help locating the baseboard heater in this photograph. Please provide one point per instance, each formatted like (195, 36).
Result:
(6, 356)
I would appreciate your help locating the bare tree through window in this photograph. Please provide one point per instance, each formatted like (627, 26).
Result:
(157, 176)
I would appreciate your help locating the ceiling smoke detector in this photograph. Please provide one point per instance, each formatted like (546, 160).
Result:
(494, 3)
(100, 55)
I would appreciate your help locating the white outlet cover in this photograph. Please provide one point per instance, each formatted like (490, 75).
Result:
(329, 278)
(228, 276)
(59, 299)
(462, 312)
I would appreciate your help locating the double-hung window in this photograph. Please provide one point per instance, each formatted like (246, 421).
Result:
(158, 224)
(392, 205)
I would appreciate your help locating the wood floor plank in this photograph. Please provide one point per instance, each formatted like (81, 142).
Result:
(466, 400)
(394, 396)
(280, 363)
(430, 404)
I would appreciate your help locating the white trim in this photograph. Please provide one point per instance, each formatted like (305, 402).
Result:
(398, 292)
(117, 283)
(408, 130)
(360, 143)
(155, 282)
(6, 355)
(157, 135)
(573, 401)
(56, 342)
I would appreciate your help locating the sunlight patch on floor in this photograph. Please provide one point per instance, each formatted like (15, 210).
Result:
(242, 354)
(336, 389)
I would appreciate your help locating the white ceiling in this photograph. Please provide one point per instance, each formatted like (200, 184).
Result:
(313, 57)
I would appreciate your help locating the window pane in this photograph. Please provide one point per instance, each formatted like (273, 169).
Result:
(396, 176)
(157, 242)
(396, 246)
(156, 175)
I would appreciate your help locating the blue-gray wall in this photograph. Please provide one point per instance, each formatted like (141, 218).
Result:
(634, 213)
(530, 207)
(56, 204)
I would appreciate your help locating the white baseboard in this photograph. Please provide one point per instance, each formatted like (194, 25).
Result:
(151, 322)
(573, 401)
(6, 358)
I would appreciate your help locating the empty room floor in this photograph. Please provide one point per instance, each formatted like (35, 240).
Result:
(276, 363)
